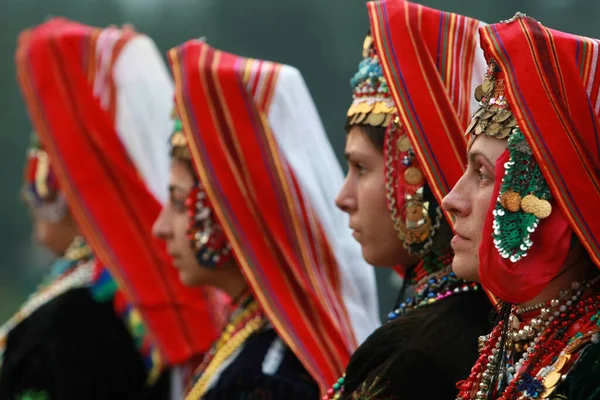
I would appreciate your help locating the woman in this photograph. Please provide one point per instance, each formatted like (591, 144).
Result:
(249, 189)
(97, 99)
(531, 239)
(392, 194)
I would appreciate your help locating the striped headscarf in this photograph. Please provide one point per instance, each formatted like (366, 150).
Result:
(432, 63)
(263, 157)
(100, 101)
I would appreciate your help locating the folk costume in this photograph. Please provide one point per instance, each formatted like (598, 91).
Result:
(540, 93)
(419, 94)
(96, 98)
(267, 179)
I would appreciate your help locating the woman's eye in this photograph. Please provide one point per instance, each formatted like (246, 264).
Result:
(360, 169)
(484, 177)
(178, 205)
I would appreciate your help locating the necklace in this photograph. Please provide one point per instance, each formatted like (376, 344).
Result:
(564, 324)
(246, 319)
(435, 281)
(65, 274)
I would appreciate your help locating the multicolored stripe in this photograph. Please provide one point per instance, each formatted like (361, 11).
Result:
(427, 57)
(70, 93)
(224, 101)
(552, 82)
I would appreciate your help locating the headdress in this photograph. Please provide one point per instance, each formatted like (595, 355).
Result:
(99, 100)
(260, 152)
(372, 105)
(372, 102)
(545, 189)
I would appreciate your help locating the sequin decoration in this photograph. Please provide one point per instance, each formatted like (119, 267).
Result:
(372, 102)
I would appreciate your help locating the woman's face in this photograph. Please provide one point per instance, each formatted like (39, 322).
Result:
(172, 224)
(469, 203)
(56, 236)
(363, 197)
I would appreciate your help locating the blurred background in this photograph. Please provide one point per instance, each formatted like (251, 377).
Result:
(323, 38)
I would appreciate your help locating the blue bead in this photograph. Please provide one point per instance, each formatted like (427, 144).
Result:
(406, 161)
(431, 295)
(431, 280)
(392, 316)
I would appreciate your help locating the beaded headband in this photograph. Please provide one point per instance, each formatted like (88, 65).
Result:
(524, 197)
(372, 102)
(204, 232)
(178, 142)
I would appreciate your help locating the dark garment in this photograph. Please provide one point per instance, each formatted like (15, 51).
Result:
(583, 381)
(75, 348)
(244, 378)
(421, 355)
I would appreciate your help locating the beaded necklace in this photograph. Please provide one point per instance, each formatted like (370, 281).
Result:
(435, 281)
(246, 319)
(563, 326)
(435, 288)
(73, 270)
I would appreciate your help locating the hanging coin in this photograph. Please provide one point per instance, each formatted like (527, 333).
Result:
(413, 176)
(403, 143)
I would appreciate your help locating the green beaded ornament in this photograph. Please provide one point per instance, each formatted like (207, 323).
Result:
(522, 202)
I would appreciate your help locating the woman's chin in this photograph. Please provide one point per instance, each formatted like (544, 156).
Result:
(466, 267)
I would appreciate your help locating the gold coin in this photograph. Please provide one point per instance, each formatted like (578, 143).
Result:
(487, 115)
(479, 93)
(502, 116)
(413, 176)
(487, 85)
(479, 128)
(503, 133)
(562, 360)
(493, 129)
(552, 379)
(375, 119)
(359, 118)
(403, 143)
(474, 122)
(414, 212)
(511, 201)
(479, 112)
(543, 209)
(529, 203)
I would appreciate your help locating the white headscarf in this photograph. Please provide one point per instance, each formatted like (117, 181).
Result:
(301, 137)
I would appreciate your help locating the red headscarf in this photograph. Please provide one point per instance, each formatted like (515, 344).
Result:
(66, 73)
(432, 64)
(551, 83)
(266, 205)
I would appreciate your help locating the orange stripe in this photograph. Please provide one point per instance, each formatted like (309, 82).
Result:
(238, 249)
(300, 238)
